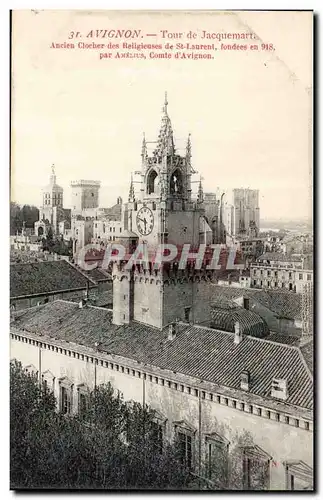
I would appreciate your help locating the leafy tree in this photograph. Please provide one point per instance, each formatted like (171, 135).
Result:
(110, 444)
(18, 215)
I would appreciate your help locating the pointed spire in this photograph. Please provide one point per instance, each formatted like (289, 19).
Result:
(165, 141)
(200, 196)
(189, 147)
(144, 147)
(131, 197)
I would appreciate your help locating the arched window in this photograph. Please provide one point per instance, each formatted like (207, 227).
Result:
(176, 182)
(152, 182)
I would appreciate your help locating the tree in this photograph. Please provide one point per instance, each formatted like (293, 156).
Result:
(28, 214)
(110, 444)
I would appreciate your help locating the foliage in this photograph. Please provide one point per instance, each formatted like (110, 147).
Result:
(57, 245)
(28, 214)
(110, 445)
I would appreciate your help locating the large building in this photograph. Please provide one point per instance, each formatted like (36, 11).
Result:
(274, 270)
(51, 213)
(85, 195)
(226, 392)
(246, 207)
(36, 283)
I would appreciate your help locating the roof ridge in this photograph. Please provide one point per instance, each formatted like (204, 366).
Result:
(249, 336)
(81, 272)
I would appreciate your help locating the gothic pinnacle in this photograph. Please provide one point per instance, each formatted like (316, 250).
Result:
(131, 197)
(200, 192)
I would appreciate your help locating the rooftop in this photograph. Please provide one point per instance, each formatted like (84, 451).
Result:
(224, 318)
(278, 257)
(196, 351)
(37, 278)
(283, 304)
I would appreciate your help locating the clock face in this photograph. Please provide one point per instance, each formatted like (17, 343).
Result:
(145, 221)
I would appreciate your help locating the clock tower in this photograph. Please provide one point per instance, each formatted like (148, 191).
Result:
(163, 213)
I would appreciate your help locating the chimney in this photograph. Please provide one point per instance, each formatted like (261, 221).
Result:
(237, 333)
(279, 388)
(246, 303)
(245, 380)
(172, 331)
(82, 303)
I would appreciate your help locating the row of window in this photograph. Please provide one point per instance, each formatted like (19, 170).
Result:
(255, 462)
(249, 408)
(270, 284)
(275, 273)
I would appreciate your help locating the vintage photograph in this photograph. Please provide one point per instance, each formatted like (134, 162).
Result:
(161, 250)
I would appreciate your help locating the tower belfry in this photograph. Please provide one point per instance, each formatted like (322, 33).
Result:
(166, 174)
(163, 213)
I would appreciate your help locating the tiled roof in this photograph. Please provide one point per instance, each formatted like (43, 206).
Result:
(284, 339)
(97, 275)
(196, 351)
(250, 323)
(44, 277)
(278, 257)
(308, 354)
(283, 304)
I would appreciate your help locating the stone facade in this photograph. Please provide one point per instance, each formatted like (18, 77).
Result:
(284, 436)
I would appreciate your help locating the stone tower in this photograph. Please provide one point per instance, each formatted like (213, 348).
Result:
(163, 213)
(52, 193)
(51, 212)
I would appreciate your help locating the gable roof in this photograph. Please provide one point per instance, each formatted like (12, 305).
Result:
(37, 278)
(283, 304)
(200, 352)
(225, 318)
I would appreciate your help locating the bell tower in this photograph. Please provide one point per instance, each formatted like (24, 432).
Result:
(164, 211)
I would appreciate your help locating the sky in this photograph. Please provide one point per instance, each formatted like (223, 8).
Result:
(249, 114)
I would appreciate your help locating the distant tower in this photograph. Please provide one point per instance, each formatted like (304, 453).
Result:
(246, 212)
(50, 212)
(85, 195)
(52, 193)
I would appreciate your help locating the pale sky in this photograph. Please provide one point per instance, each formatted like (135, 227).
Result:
(249, 113)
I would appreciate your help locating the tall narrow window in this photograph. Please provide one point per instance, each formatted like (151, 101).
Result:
(256, 469)
(83, 404)
(184, 435)
(65, 400)
(299, 475)
(217, 459)
(65, 396)
(157, 436)
(185, 449)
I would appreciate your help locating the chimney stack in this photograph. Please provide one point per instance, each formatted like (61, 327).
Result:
(172, 331)
(279, 388)
(237, 333)
(82, 304)
(245, 380)
(246, 303)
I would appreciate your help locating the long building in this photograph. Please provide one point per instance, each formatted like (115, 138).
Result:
(209, 370)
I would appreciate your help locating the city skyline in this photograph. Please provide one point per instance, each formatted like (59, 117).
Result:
(245, 131)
